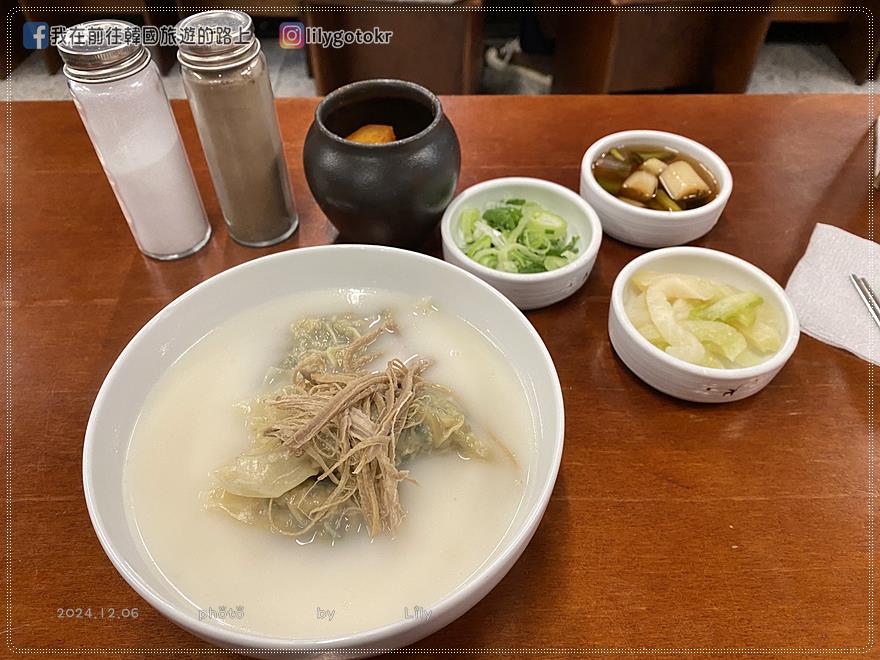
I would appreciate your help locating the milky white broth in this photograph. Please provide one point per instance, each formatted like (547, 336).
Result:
(456, 515)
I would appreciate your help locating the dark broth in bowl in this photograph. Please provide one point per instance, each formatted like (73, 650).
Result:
(654, 177)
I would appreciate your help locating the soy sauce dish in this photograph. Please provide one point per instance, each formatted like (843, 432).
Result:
(307, 453)
(635, 208)
(701, 325)
(533, 240)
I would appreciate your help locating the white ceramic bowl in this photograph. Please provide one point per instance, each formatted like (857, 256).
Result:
(528, 290)
(648, 227)
(682, 379)
(162, 341)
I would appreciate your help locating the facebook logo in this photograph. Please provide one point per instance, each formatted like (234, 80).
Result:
(36, 35)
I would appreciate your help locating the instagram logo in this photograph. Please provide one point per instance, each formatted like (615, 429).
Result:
(291, 35)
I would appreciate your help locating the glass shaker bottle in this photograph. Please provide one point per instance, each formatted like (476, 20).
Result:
(227, 83)
(116, 88)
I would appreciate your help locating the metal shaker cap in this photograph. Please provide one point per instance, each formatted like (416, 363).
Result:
(102, 51)
(216, 39)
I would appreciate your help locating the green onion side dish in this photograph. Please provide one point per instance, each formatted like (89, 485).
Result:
(517, 236)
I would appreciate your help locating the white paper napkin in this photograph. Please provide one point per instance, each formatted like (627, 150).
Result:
(827, 304)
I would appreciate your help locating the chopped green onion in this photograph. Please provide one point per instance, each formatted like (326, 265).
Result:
(610, 185)
(648, 155)
(665, 200)
(517, 236)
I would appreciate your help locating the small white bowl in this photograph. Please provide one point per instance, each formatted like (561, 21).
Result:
(194, 314)
(648, 227)
(682, 379)
(528, 290)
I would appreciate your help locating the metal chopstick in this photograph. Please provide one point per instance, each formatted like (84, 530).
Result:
(866, 293)
(867, 286)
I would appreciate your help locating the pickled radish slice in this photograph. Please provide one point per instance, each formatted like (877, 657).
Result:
(637, 311)
(681, 342)
(682, 307)
(694, 354)
(650, 332)
(682, 286)
(722, 337)
(712, 362)
(762, 336)
(702, 321)
(728, 307)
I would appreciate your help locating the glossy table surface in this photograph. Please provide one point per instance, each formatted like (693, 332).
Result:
(732, 529)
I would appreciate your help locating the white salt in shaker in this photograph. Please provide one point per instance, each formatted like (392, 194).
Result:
(121, 100)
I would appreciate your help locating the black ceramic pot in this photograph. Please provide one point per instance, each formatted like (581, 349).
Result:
(391, 194)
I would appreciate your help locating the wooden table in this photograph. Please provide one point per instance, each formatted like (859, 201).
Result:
(672, 526)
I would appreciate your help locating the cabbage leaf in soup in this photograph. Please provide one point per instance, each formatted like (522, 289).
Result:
(329, 440)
